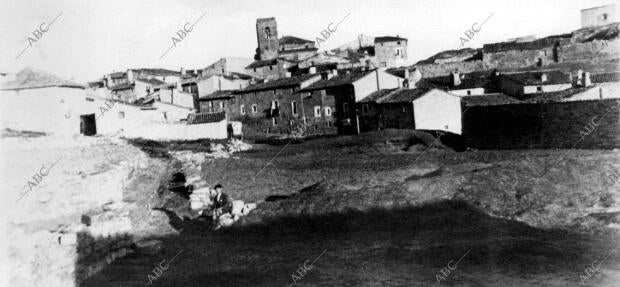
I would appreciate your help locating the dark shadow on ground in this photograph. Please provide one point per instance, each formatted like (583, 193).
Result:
(405, 246)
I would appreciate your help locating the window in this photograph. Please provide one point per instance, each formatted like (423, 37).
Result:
(267, 32)
(329, 124)
(398, 43)
(243, 109)
(365, 108)
(270, 68)
(274, 92)
(254, 70)
(317, 111)
(254, 109)
(345, 109)
(274, 121)
(404, 109)
(222, 105)
(539, 62)
(399, 51)
(294, 108)
(469, 92)
(121, 115)
(604, 17)
(539, 89)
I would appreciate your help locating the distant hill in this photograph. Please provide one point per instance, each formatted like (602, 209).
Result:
(29, 78)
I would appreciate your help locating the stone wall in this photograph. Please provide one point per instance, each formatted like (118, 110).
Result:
(583, 124)
(442, 69)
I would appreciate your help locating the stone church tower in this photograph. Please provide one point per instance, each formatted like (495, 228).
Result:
(267, 38)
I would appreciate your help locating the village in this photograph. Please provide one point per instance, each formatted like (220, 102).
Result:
(514, 140)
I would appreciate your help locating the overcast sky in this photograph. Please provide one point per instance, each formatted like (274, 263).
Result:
(91, 38)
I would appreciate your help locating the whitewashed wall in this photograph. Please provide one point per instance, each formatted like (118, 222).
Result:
(438, 110)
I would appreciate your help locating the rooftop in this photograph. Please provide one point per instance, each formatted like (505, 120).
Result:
(152, 81)
(535, 78)
(279, 83)
(389, 39)
(489, 100)
(225, 94)
(345, 77)
(292, 40)
(558, 96)
(394, 96)
(157, 71)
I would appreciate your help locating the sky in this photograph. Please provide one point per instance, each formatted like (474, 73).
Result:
(92, 38)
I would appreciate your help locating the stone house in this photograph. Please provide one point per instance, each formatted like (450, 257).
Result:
(274, 106)
(217, 102)
(295, 49)
(345, 88)
(226, 66)
(390, 51)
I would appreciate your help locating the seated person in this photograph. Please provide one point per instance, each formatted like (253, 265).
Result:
(222, 206)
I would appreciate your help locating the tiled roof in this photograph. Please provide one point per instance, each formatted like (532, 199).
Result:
(226, 94)
(279, 83)
(394, 96)
(556, 96)
(404, 96)
(292, 40)
(123, 86)
(605, 77)
(468, 81)
(376, 95)
(157, 72)
(153, 82)
(388, 39)
(262, 63)
(534, 78)
(117, 75)
(343, 78)
(310, 49)
(488, 100)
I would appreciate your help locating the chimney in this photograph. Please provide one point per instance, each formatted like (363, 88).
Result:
(586, 79)
(182, 71)
(543, 77)
(456, 78)
(312, 70)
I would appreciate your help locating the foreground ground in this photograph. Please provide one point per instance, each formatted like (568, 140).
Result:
(380, 209)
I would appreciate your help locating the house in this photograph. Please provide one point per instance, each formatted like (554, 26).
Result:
(226, 66)
(587, 87)
(388, 109)
(524, 85)
(217, 102)
(269, 69)
(599, 16)
(464, 84)
(344, 88)
(273, 106)
(390, 51)
(231, 81)
(295, 49)
(163, 75)
(421, 109)
(136, 90)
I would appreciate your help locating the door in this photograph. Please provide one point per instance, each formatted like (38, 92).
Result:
(88, 125)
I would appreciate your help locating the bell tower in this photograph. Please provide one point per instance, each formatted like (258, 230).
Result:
(267, 38)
